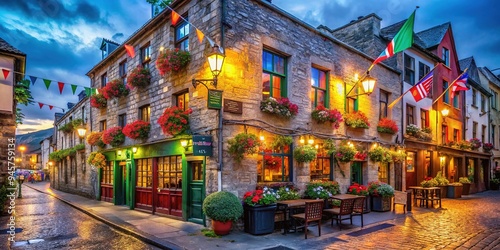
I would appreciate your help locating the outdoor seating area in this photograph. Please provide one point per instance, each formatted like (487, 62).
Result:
(426, 195)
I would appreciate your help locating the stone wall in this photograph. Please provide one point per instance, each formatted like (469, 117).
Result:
(7, 133)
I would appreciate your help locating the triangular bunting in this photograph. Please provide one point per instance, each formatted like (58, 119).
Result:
(175, 17)
(51, 107)
(61, 87)
(73, 88)
(40, 104)
(33, 79)
(5, 73)
(200, 35)
(47, 83)
(87, 91)
(130, 50)
(94, 91)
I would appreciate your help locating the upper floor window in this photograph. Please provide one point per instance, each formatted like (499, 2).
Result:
(446, 96)
(409, 69)
(122, 71)
(493, 127)
(145, 113)
(104, 80)
(444, 130)
(424, 118)
(102, 125)
(122, 120)
(423, 70)
(483, 133)
(474, 97)
(182, 100)
(182, 35)
(474, 129)
(410, 116)
(483, 103)
(456, 99)
(446, 56)
(146, 55)
(352, 104)
(456, 135)
(383, 103)
(494, 99)
(319, 88)
(273, 76)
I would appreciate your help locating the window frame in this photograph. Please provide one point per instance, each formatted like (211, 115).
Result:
(410, 115)
(316, 89)
(144, 173)
(483, 133)
(446, 95)
(424, 118)
(185, 95)
(474, 129)
(102, 125)
(273, 73)
(145, 52)
(383, 104)
(182, 43)
(409, 70)
(446, 56)
(456, 100)
(122, 71)
(474, 97)
(104, 79)
(285, 153)
(141, 114)
(122, 120)
(483, 103)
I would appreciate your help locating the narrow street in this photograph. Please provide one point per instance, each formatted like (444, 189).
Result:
(51, 224)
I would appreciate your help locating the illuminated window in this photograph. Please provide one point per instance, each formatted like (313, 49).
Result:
(145, 113)
(456, 135)
(182, 35)
(274, 165)
(319, 88)
(321, 167)
(122, 71)
(145, 172)
(424, 118)
(383, 103)
(273, 75)
(107, 173)
(146, 55)
(444, 130)
(383, 172)
(352, 104)
(170, 172)
(182, 100)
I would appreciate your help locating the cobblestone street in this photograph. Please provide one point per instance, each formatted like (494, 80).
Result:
(472, 222)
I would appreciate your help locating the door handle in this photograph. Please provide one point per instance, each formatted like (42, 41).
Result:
(159, 189)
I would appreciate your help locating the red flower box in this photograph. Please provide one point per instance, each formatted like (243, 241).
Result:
(174, 121)
(138, 129)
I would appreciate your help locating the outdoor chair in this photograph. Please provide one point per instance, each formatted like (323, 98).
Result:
(312, 213)
(400, 198)
(341, 213)
(357, 209)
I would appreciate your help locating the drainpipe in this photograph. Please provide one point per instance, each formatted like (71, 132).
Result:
(219, 140)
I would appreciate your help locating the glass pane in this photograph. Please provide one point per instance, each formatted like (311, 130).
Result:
(315, 77)
(267, 61)
(279, 65)
(276, 87)
(266, 85)
(322, 79)
(320, 97)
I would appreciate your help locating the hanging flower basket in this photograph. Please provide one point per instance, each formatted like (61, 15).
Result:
(95, 139)
(113, 136)
(344, 153)
(243, 144)
(172, 60)
(488, 146)
(304, 153)
(98, 101)
(281, 107)
(174, 121)
(115, 89)
(388, 126)
(139, 77)
(398, 156)
(97, 159)
(356, 119)
(271, 162)
(380, 154)
(322, 115)
(137, 130)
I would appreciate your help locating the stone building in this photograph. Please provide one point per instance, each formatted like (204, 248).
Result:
(271, 54)
(13, 65)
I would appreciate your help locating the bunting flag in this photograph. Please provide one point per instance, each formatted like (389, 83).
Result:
(61, 87)
(130, 50)
(33, 79)
(51, 107)
(40, 104)
(47, 83)
(401, 41)
(175, 17)
(73, 88)
(422, 88)
(87, 91)
(200, 35)
(5, 73)
(459, 84)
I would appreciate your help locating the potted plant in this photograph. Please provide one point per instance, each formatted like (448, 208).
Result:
(487, 147)
(442, 183)
(464, 145)
(398, 156)
(172, 60)
(494, 184)
(454, 190)
(305, 153)
(139, 77)
(98, 101)
(66, 128)
(114, 89)
(223, 208)
(356, 119)
(429, 182)
(322, 115)
(95, 139)
(281, 107)
(259, 209)
(466, 185)
(287, 193)
(137, 130)
(475, 143)
(380, 154)
(96, 159)
(281, 141)
(387, 126)
(243, 144)
(174, 121)
(412, 130)
(113, 136)
(344, 152)
(322, 190)
(358, 189)
(381, 195)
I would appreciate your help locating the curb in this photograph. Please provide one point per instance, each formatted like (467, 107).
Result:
(150, 239)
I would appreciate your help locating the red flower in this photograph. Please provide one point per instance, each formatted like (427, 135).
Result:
(98, 101)
(113, 136)
(139, 77)
(174, 121)
(113, 89)
(386, 125)
(172, 60)
(137, 129)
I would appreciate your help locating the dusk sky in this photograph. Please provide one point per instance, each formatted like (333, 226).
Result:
(62, 38)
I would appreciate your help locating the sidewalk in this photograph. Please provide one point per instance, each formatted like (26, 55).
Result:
(169, 233)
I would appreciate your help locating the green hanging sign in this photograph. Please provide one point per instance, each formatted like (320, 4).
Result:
(214, 99)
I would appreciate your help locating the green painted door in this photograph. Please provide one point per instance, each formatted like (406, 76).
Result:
(196, 191)
(356, 172)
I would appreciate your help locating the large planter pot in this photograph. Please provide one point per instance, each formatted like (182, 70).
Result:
(381, 204)
(221, 228)
(465, 188)
(443, 191)
(259, 219)
(454, 192)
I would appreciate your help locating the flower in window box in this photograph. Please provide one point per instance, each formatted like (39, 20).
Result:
(115, 89)
(243, 144)
(98, 101)
(356, 119)
(321, 189)
(95, 139)
(360, 156)
(139, 77)
(172, 60)
(137, 130)
(97, 159)
(488, 146)
(281, 106)
(412, 130)
(475, 143)
(388, 126)
(113, 136)
(174, 121)
(322, 114)
(357, 189)
(265, 196)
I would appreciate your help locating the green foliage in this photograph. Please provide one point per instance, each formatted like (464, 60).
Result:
(441, 180)
(306, 153)
(380, 154)
(222, 206)
(322, 189)
(77, 122)
(345, 152)
(242, 144)
(22, 95)
(282, 140)
(464, 180)
(286, 193)
(66, 128)
(495, 181)
(79, 147)
(429, 182)
(264, 196)
(63, 153)
(330, 146)
(378, 189)
(3, 198)
(209, 233)
(159, 5)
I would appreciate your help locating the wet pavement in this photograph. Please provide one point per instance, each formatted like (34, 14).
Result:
(472, 222)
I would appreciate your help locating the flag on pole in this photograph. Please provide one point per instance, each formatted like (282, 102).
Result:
(401, 41)
(459, 84)
(422, 88)
(130, 50)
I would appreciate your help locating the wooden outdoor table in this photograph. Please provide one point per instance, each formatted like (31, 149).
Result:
(345, 196)
(287, 206)
(427, 194)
